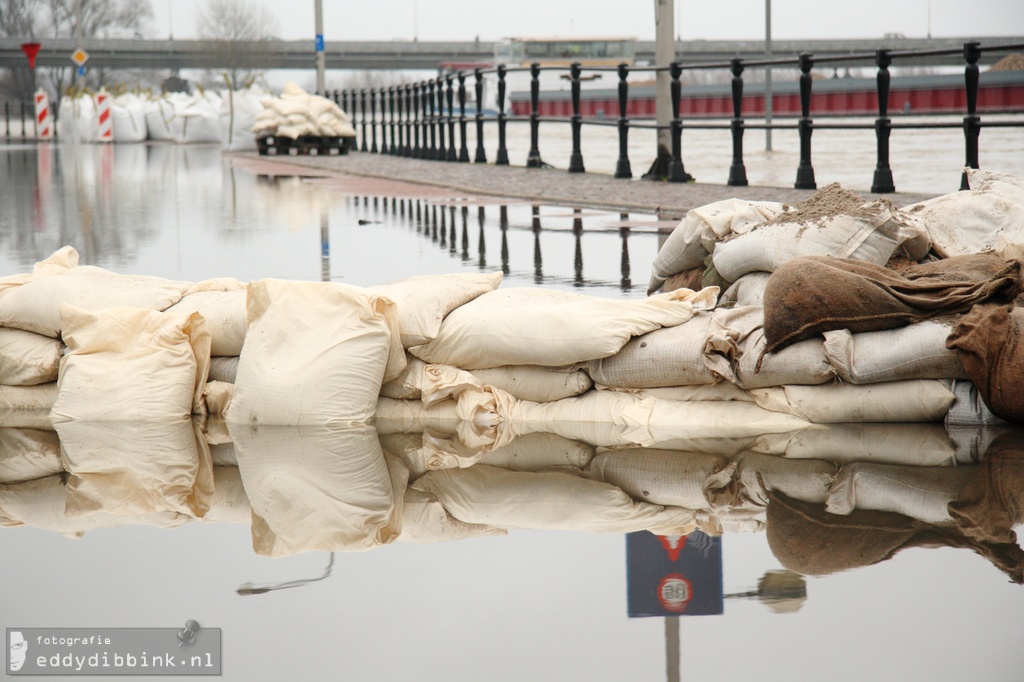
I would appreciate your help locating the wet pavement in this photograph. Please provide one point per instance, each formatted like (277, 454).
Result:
(553, 186)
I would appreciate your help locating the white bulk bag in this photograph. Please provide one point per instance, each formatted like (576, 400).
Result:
(77, 119)
(238, 112)
(128, 118)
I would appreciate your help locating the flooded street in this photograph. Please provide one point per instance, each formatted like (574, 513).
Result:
(535, 604)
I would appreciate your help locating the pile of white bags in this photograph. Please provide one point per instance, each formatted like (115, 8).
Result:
(296, 113)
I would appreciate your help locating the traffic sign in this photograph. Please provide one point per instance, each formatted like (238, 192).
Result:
(79, 57)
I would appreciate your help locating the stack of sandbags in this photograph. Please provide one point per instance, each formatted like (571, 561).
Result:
(297, 113)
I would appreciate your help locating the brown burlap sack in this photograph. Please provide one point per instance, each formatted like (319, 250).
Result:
(988, 341)
(807, 539)
(687, 279)
(811, 295)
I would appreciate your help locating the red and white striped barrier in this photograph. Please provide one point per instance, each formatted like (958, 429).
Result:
(106, 122)
(44, 116)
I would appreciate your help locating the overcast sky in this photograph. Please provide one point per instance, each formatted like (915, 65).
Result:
(731, 19)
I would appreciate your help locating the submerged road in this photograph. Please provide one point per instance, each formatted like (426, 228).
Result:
(552, 186)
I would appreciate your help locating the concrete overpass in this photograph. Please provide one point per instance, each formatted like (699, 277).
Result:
(408, 55)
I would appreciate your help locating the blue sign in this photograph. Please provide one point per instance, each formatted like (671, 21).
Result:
(319, 42)
(678, 575)
(81, 70)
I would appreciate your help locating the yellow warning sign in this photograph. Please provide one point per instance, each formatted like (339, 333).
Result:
(79, 57)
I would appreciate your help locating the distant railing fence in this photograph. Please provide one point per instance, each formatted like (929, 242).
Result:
(414, 116)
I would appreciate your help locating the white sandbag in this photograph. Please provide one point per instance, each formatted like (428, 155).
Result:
(424, 301)
(224, 312)
(808, 480)
(41, 504)
(673, 356)
(35, 305)
(537, 384)
(128, 118)
(831, 226)
(229, 503)
(987, 217)
(699, 232)
(409, 382)
(135, 467)
(28, 454)
(424, 521)
(910, 444)
(552, 328)
(27, 359)
(514, 499)
(317, 488)
(217, 397)
(223, 369)
(691, 480)
(748, 290)
(131, 364)
(27, 406)
(314, 353)
(922, 493)
(915, 400)
(735, 347)
(917, 351)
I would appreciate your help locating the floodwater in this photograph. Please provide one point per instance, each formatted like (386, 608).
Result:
(535, 604)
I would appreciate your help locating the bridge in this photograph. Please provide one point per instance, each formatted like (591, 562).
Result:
(410, 55)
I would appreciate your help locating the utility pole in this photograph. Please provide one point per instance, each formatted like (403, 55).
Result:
(321, 60)
(664, 54)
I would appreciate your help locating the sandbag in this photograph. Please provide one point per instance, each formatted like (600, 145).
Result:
(538, 384)
(424, 301)
(986, 217)
(222, 305)
(27, 454)
(691, 480)
(916, 400)
(922, 493)
(229, 503)
(812, 295)
(131, 364)
(917, 351)
(552, 328)
(223, 369)
(673, 356)
(748, 290)
(314, 353)
(833, 222)
(989, 344)
(27, 359)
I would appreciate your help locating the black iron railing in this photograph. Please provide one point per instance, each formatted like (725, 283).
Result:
(418, 120)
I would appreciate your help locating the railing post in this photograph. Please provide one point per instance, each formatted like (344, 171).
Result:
(676, 172)
(362, 117)
(501, 159)
(450, 97)
(7, 119)
(439, 120)
(391, 114)
(882, 182)
(373, 119)
(463, 148)
(430, 119)
(481, 155)
(414, 111)
(622, 166)
(335, 97)
(972, 123)
(576, 158)
(403, 142)
(737, 172)
(533, 159)
(805, 172)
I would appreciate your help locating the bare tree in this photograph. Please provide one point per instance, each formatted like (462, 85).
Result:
(237, 27)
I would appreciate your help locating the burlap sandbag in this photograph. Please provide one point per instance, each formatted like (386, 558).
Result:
(808, 296)
(988, 342)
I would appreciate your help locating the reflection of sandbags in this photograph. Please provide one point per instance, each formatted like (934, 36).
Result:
(424, 301)
(916, 400)
(536, 451)
(921, 493)
(228, 504)
(910, 444)
(131, 364)
(318, 488)
(673, 356)
(801, 479)
(35, 305)
(27, 454)
(552, 328)
(27, 359)
(735, 348)
(134, 467)
(28, 406)
(917, 351)
(992, 501)
(983, 218)
(691, 480)
(748, 290)
(701, 229)
(424, 520)
(809, 296)
(511, 499)
(224, 312)
(969, 409)
(315, 353)
(833, 222)
(989, 344)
